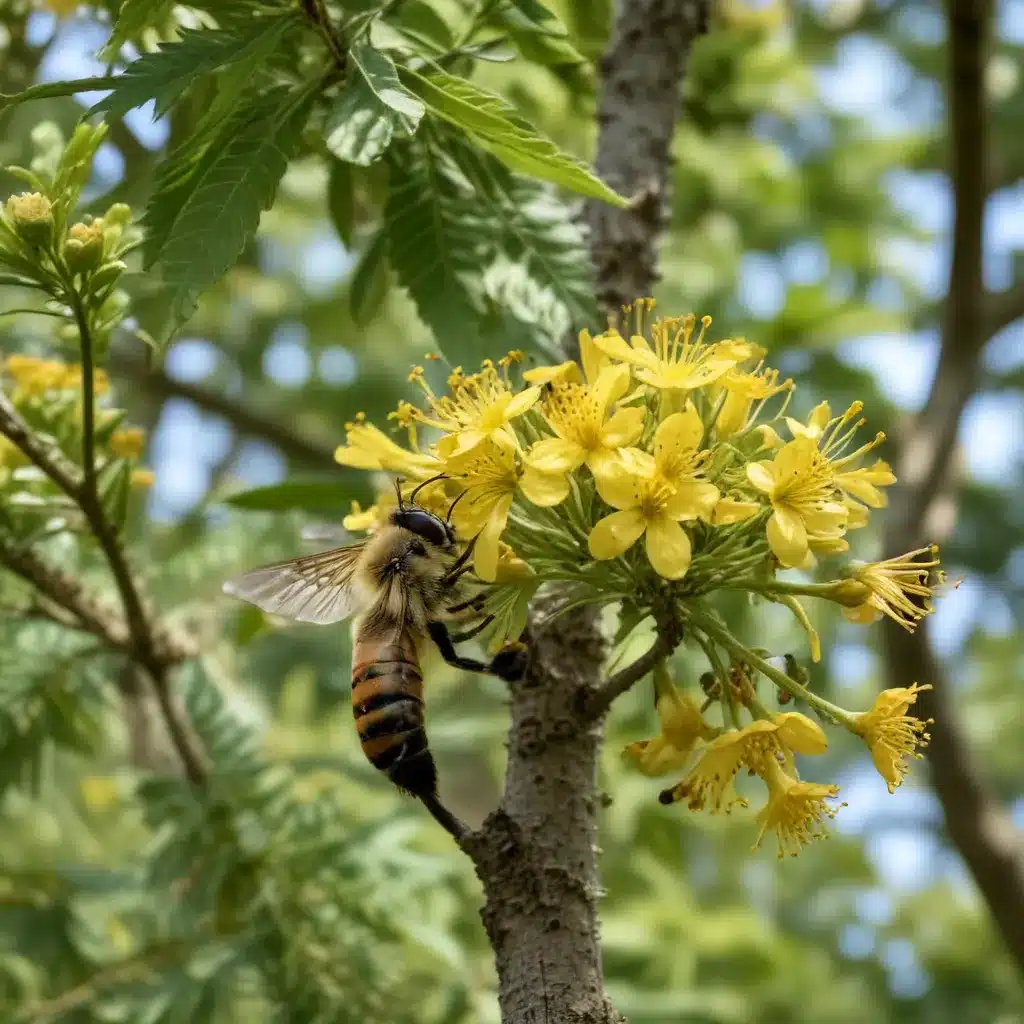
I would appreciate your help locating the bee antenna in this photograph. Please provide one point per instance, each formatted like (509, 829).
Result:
(451, 508)
(419, 487)
(398, 492)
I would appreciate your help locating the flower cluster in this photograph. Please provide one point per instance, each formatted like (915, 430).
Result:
(659, 468)
(47, 394)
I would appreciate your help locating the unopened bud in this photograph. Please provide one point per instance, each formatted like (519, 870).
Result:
(118, 215)
(83, 248)
(32, 216)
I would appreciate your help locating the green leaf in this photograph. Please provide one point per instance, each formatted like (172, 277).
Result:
(133, 17)
(537, 33)
(490, 259)
(309, 495)
(370, 108)
(499, 128)
(370, 281)
(162, 76)
(341, 199)
(204, 213)
(421, 22)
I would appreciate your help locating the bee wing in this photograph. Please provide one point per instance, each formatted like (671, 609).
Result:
(316, 588)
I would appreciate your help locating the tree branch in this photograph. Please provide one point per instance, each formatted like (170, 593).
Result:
(156, 649)
(536, 855)
(921, 506)
(157, 382)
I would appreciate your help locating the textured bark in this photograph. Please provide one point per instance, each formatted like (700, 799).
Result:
(537, 854)
(923, 509)
(641, 74)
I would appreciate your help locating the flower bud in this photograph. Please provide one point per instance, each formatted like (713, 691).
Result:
(118, 215)
(83, 248)
(32, 216)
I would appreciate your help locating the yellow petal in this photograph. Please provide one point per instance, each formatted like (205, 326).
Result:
(787, 537)
(544, 489)
(592, 358)
(610, 386)
(555, 455)
(485, 553)
(668, 548)
(618, 483)
(762, 475)
(567, 371)
(624, 427)
(522, 402)
(794, 458)
(693, 499)
(729, 510)
(615, 346)
(801, 734)
(680, 431)
(616, 533)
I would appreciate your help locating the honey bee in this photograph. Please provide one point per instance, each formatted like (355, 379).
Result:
(403, 583)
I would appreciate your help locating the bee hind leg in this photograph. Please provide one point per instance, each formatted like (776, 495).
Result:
(508, 664)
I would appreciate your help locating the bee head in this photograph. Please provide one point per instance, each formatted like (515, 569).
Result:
(428, 530)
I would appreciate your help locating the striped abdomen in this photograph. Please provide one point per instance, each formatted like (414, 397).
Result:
(387, 701)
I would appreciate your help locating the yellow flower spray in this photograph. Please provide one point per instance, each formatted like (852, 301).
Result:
(658, 470)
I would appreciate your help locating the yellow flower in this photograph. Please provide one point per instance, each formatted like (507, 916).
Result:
(682, 726)
(479, 407)
(891, 734)
(755, 747)
(795, 812)
(491, 475)
(586, 433)
(35, 376)
(676, 362)
(741, 391)
(891, 587)
(359, 519)
(127, 443)
(798, 481)
(31, 213)
(367, 447)
(511, 568)
(654, 494)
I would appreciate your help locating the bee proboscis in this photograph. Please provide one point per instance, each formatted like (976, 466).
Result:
(403, 583)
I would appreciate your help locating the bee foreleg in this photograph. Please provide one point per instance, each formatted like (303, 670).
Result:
(508, 664)
(476, 603)
(459, 566)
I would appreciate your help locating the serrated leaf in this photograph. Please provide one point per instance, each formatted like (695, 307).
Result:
(370, 281)
(538, 34)
(199, 221)
(499, 128)
(162, 76)
(132, 18)
(370, 108)
(309, 495)
(341, 199)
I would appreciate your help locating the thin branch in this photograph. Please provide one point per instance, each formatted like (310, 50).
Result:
(159, 383)
(65, 591)
(49, 458)
(599, 701)
(975, 821)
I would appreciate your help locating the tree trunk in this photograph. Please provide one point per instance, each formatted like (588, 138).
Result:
(537, 854)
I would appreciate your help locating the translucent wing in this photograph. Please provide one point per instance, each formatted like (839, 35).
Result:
(317, 588)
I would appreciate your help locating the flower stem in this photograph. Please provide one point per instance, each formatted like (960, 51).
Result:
(88, 396)
(708, 624)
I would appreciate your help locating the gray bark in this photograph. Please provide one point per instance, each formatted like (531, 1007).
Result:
(536, 855)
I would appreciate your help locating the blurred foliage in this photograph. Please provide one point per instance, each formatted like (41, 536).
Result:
(301, 880)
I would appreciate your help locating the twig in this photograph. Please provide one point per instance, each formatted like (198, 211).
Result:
(66, 592)
(600, 700)
(317, 13)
